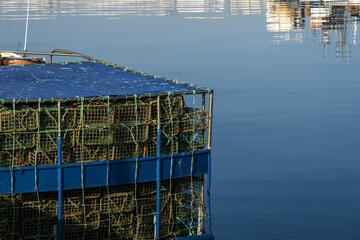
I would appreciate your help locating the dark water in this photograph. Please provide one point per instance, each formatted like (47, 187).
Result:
(286, 156)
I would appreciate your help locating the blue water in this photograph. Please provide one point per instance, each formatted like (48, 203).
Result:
(286, 155)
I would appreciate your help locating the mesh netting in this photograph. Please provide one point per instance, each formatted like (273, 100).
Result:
(106, 213)
(101, 131)
(98, 131)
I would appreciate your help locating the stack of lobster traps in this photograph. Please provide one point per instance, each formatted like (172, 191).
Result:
(97, 131)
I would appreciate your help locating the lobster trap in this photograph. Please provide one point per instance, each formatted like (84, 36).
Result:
(132, 163)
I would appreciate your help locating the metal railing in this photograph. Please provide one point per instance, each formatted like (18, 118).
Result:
(55, 52)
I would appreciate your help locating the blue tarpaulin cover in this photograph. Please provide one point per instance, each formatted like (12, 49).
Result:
(78, 80)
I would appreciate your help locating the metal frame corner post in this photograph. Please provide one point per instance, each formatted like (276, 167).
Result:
(60, 179)
(158, 173)
(211, 100)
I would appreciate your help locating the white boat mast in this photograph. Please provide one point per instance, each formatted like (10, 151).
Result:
(27, 26)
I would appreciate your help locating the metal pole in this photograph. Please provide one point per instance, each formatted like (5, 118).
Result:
(60, 177)
(26, 27)
(211, 99)
(158, 173)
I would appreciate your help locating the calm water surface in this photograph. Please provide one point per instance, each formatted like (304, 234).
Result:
(286, 156)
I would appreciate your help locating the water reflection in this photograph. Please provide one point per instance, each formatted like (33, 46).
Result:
(332, 23)
(50, 9)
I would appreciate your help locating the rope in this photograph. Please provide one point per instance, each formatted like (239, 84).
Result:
(100, 96)
(66, 100)
(189, 229)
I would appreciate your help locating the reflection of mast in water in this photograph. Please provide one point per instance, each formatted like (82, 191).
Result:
(342, 46)
(355, 30)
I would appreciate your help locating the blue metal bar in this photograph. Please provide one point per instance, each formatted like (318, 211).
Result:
(158, 183)
(60, 189)
(128, 160)
(122, 172)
